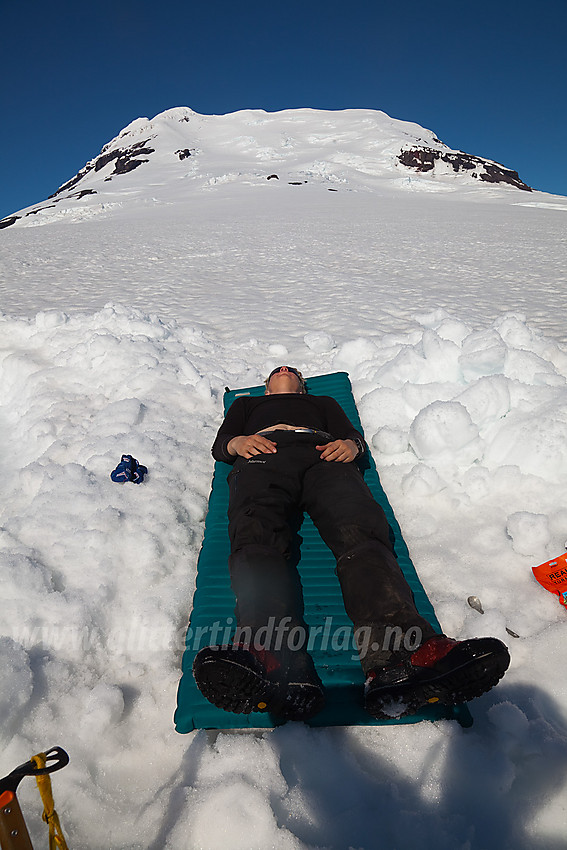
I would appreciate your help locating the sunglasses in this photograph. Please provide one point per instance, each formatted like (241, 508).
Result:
(286, 369)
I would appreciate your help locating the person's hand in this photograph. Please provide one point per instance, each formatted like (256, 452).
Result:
(248, 446)
(342, 451)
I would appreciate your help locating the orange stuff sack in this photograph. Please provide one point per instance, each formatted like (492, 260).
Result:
(553, 576)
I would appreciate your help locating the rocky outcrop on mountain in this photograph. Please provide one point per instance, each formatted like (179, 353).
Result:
(425, 159)
(125, 160)
(76, 196)
(7, 222)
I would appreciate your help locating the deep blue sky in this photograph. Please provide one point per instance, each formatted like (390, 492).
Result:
(488, 78)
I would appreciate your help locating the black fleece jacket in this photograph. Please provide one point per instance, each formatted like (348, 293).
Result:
(250, 414)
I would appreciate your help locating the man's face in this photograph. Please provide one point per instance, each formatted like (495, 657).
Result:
(283, 382)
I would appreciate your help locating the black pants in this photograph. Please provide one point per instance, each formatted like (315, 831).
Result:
(267, 492)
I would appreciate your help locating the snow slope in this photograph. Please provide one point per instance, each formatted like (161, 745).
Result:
(443, 297)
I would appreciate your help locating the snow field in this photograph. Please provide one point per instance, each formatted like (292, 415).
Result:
(279, 261)
(466, 427)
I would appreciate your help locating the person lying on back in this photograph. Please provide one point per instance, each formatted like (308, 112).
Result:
(293, 452)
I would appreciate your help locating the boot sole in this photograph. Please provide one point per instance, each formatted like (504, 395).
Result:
(302, 700)
(466, 679)
(234, 680)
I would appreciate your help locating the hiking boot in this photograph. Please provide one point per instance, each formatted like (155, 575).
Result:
(242, 679)
(441, 670)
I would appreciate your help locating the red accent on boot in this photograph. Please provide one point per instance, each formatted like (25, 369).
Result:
(269, 661)
(432, 651)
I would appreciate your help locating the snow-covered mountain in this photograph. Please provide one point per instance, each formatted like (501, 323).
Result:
(191, 255)
(179, 152)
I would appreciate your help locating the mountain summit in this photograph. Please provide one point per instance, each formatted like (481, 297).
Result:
(180, 152)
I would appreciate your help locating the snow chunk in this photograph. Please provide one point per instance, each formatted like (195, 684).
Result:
(277, 350)
(390, 441)
(533, 441)
(319, 342)
(444, 429)
(483, 353)
(422, 481)
(530, 368)
(514, 331)
(454, 330)
(529, 532)
(385, 405)
(407, 365)
(433, 318)
(442, 356)
(487, 400)
(477, 483)
(50, 319)
(351, 354)
(507, 718)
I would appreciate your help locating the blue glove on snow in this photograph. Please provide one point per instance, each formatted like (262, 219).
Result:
(129, 470)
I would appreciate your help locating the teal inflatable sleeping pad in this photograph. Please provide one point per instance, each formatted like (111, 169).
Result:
(331, 634)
